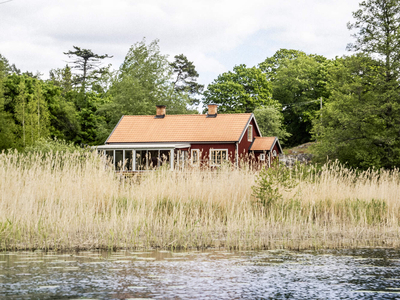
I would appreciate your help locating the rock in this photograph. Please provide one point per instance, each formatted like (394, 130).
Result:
(291, 159)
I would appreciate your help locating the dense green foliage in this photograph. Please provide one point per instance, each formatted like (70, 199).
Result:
(360, 122)
(240, 91)
(298, 83)
(270, 122)
(83, 107)
(47, 145)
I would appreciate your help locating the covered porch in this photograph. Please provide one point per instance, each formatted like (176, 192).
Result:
(145, 156)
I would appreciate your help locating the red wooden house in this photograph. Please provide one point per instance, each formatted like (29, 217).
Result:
(145, 142)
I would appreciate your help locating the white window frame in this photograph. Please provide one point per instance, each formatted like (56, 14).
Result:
(134, 153)
(250, 133)
(198, 156)
(181, 159)
(215, 164)
(274, 153)
(262, 156)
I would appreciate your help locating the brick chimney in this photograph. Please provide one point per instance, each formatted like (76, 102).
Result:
(161, 109)
(212, 110)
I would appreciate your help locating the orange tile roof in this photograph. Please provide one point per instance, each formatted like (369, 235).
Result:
(262, 143)
(179, 128)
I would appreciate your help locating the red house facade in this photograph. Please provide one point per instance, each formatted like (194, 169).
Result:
(140, 143)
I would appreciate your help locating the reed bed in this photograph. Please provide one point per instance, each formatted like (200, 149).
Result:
(74, 201)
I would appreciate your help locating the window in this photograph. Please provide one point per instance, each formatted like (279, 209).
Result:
(262, 156)
(181, 159)
(128, 160)
(274, 153)
(195, 156)
(164, 157)
(141, 160)
(110, 156)
(250, 133)
(151, 159)
(217, 156)
(119, 159)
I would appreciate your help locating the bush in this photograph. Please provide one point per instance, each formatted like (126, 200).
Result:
(270, 182)
(54, 145)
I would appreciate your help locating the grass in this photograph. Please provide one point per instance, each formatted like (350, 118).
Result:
(72, 201)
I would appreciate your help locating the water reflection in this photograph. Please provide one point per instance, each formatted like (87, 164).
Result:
(356, 274)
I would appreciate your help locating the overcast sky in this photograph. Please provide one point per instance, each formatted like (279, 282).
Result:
(215, 34)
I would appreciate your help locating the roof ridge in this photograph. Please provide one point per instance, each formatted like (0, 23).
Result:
(198, 115)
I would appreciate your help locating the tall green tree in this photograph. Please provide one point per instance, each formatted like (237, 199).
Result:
(37, 114)
(5, 68)
(365, 109)
(31, 110)
(63, 103)
(7, 125)
(143, 81)
(240, 91)
(377, 24)
(91, 87)
(89, 63)
(25, 101)
(352, 128)
(298, 82)
(271, 65)
(21, 108)
(62, 78)
(185, 79)
(64, 117)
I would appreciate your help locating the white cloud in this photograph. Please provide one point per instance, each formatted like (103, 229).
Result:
(215, 34)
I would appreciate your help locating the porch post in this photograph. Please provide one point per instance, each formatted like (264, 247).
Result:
(171, 158)
(237, 154)
(133, 160)
(269, 159)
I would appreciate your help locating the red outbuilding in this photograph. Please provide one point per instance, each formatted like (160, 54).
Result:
(145, 142)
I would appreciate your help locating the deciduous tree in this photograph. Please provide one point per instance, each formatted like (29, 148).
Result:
(270, 122)
(142, 82)
(377, 24)
(239, 91)
(361, 123)
(353, 129)
(298, 82)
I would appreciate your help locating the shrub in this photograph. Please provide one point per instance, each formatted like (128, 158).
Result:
(270, 182)
(46, 145)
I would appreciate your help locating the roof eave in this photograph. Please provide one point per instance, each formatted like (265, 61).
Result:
(279, 145)
(191, 142)
(114, 130)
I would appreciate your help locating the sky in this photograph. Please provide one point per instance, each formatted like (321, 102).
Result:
(215, 34)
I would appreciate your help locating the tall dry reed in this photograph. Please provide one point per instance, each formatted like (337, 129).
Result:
(73, 201)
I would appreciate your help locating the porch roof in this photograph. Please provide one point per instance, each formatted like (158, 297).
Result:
(144, 146)
(263, 143)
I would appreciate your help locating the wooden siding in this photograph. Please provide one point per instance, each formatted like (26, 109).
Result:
(244, 144)
(205, 150)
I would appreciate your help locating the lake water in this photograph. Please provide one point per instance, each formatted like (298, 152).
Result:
(357, 274)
